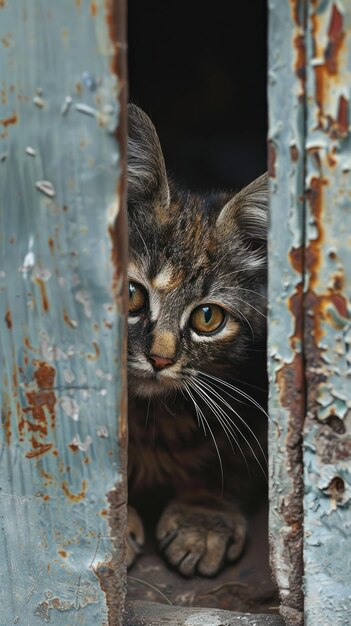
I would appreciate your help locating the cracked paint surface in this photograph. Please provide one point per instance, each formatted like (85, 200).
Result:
(286, 91)
(62, 337)
(310, 311)
(327, 437)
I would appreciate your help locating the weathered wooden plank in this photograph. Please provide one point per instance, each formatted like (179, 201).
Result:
(285, 359)
(62, 339)
(327, 440)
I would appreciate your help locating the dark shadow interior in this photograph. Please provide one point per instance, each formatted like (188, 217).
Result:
(199, 70)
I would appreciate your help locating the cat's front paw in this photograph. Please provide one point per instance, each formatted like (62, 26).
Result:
(135, 536)
(197, 539)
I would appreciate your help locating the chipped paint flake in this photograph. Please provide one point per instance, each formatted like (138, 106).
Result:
(83, 298)
(31, 152)
(70, 407)
(38, 101)
(45, 187)
(81, 445)
(86, 109)
(67, 103)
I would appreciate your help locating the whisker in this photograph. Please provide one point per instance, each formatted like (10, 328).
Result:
(250, 385)
(139, 580)
(241, 314)
(252, 307)
(209, 388)
(169, 410)
(223, 420)
(135, 225)
(147, 413)
(216, 410)
(237, 390)
(212, 435)
(241, 433)
(257, 293)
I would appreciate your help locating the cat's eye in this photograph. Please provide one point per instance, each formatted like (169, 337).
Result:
(207, 318)
(137, 298)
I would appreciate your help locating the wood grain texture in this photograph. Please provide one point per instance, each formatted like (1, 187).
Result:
(62, 331)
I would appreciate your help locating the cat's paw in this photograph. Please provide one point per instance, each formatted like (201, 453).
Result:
(135, 536)
(199, 540)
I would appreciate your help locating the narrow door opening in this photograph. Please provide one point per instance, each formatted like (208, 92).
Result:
(199, 72)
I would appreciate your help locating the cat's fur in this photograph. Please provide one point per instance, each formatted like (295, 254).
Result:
(186, 250)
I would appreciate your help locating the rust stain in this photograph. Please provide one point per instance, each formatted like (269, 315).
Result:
(6, 41)
(45, 475)
(8, 319)
(14, 379)
(314, 196)
(73, 447)
(68, 320)
(44, 297)
(78, 497)
(79, 90)
(46, 497)
(331, 158)
(28, 344)
(38, 448)
(41, 400)
(6, 417)
(51, 245)
(63, 553)
(93, 9)
(336, 37)
(9, 120)
(296, 259)
(44, 374)
(94, 357)
(343, 116)
(2, 4)
(294, 153)
(338, 128)
(271, 159)
(300, 58)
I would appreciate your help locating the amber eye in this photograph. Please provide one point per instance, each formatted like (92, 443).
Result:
(207, 318)
(137, 298)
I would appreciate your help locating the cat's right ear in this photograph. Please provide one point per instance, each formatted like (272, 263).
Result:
(147, 178)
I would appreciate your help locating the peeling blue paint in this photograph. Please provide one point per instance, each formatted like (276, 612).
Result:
(61, 332)
(327, 440)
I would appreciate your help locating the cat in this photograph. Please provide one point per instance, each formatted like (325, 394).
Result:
(196, 353)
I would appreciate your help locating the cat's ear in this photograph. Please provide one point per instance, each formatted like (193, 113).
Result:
(147, 178)
(247, 214)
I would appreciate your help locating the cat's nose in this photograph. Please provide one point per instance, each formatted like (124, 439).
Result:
(159, 362)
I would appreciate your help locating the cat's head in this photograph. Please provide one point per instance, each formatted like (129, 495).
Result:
(197, 272)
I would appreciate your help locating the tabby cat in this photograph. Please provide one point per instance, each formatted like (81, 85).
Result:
(196, 360)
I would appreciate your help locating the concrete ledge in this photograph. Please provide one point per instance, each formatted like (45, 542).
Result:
(155, 614)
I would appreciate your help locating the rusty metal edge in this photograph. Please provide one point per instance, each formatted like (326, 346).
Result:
(113, 576)
(286, 264)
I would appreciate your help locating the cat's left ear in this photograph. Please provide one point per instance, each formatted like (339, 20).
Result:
(247, 214)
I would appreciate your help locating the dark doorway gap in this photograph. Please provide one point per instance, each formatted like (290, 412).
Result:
(199, 70)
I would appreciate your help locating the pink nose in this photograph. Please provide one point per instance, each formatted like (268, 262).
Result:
(159, 362)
